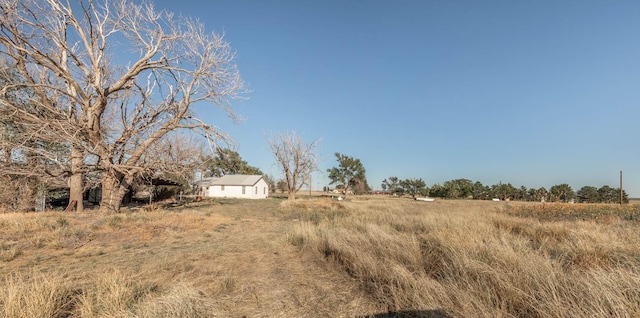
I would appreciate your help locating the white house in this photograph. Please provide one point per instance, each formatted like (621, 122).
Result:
(236, 186)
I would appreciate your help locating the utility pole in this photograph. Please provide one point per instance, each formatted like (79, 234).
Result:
(620, 187)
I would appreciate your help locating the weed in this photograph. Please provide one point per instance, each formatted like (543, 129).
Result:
(114, 221)
(296, 239)
(62, 222)
(9, 253)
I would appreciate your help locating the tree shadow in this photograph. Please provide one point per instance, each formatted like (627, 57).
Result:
(434, 313)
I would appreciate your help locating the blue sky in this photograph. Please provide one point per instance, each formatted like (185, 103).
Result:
(534, 93)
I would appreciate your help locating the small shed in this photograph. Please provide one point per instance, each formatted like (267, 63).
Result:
(237, 186)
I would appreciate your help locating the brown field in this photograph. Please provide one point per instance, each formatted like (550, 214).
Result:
(364, 257)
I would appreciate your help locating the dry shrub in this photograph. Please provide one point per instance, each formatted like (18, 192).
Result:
(181, 300)
(112, 294)
(35, 295)
(116, 294)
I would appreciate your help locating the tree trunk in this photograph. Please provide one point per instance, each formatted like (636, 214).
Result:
(292, 195)
(114, 187)
(26, 199)
(75, 181)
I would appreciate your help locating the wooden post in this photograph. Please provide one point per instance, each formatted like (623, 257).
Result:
(620, 187)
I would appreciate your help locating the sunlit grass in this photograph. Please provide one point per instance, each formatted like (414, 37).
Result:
(602, 213)
(475, 259)
(318, 257)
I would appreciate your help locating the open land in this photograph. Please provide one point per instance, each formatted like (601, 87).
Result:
(367, 256)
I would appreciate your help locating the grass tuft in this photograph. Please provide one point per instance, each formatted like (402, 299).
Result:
(35, 295)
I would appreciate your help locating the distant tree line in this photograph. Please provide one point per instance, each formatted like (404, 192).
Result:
(467, 189)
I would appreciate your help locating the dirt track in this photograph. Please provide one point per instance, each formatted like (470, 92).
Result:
(269, 277)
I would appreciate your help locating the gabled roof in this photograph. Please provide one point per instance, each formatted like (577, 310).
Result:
(237, 180)
(207, 181)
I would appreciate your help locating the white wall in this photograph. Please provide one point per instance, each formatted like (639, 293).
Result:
(236, 191)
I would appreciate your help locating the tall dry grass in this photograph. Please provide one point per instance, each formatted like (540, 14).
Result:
(90, 265)
(471, 259)
(325, 258)
(111, 294)
(35, 295)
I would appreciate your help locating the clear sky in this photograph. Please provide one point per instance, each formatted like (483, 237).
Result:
(534, 93)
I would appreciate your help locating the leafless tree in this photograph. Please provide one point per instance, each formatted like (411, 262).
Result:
(32, 157)
(175, 157)
(295, 158)
(112, 79)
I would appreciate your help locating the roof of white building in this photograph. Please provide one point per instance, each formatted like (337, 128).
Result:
(237, 179)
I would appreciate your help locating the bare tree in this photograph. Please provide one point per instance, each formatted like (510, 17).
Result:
(31, 156)
(296, 159)
(111, 110)
(175, 157)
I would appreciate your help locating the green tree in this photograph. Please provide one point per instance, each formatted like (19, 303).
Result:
(504, 191)
(480, 191)
(561, 193)
(543, 194)
(458, 188)
(588, 194)
(349, 173)
(414, 187)
(391, 184)
(523, 195)
(227, 161)
(612, 195)
(282, 186)
(437, 191)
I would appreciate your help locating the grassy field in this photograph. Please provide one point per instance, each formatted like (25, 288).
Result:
(364, 257)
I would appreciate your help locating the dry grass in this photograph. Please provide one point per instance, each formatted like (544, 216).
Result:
(93, 265)
(601, 213)
(228, 258)
(470, 259)
(366, 257)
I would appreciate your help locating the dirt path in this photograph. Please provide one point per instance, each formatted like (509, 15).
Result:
(266, 276)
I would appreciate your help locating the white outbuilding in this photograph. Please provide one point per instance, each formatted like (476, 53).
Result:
(236, 186)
